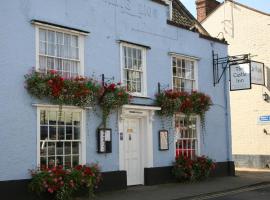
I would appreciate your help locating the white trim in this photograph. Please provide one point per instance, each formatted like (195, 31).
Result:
(83, 130)
(144, 71)
(191, 58)
(198, 133)
(81, 41)
(47, 26)
(37, 47)
(145, 114)
(196, 68)
(57, 106)
(138, 107)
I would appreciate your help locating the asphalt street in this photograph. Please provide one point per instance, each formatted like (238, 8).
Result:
(260, 194)
(253, 193)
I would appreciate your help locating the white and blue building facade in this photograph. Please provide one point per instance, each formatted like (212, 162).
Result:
(139, 43)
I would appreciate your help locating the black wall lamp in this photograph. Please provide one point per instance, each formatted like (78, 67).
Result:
(265, 97)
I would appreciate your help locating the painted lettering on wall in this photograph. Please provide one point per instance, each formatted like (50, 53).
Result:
(133, 8)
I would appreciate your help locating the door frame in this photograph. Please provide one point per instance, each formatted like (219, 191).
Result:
(145, 114)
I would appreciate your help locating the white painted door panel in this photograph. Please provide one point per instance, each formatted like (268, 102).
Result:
(132, 153)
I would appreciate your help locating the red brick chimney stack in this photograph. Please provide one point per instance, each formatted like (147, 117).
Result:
(205, 7)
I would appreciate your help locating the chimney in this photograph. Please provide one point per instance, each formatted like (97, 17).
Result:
(205, 7)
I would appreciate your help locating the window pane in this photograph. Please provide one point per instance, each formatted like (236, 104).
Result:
(67, 161)
(42, 63)
(60, 148)
(50, 63)
(42, 35)
(43, 132)
(75, 161)
(61, 132)
(69, 133)
(42, 47)
(75, 148)
(52, 117)
(51, 148)
(51, 43)
(68, 118)
(52, 132)
(67, 148)
(77, 133)
(59, 160)
(61, 118)
(43, 162)
(43, 149)
(43, 117)
(76, 119)
(51, 161)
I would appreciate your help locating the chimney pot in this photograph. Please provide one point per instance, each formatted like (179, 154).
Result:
(205, 7)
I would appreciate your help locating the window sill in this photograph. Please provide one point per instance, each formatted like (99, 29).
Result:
(140, 96)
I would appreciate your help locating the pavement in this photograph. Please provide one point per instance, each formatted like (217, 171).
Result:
(249, 183)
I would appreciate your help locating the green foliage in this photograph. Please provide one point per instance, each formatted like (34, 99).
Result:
(186, 169)
(79, 91)
(169, 101)
(63, 184)
(112, 97)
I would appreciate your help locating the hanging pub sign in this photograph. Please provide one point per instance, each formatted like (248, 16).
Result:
(163, 140)
(104, 140)
(257, 73)
(240, 76)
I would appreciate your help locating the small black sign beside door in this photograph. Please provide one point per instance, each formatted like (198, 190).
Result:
(104, 140)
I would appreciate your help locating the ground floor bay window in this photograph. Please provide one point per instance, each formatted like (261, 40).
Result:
(186, 142)
(60, 137)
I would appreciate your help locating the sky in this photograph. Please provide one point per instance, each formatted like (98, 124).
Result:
(262, 5)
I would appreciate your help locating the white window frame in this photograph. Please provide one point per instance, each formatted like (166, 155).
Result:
(189, 58)
(82, 131)
(198, 120)
(143, 92)
(198, 131)
(81, 40)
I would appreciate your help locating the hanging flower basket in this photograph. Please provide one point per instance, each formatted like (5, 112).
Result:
(172, 102)
(78, 91)
(63, 184)
(111, 97)
(169, 101)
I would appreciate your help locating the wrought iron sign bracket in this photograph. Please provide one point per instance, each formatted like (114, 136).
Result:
(221, 64)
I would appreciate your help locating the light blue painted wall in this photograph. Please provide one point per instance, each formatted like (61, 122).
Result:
(140, 21)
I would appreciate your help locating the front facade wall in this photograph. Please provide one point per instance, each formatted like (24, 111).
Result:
(246, 31)
(108, 21)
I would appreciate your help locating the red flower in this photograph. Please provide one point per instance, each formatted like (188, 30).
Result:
(52, 71)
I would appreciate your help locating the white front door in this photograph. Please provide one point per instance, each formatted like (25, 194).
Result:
(132, 151)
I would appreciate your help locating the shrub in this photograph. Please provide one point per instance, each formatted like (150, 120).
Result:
(186, 169)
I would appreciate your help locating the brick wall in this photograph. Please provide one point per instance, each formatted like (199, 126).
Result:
(205, 7)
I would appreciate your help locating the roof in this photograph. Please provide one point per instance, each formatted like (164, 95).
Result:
(181, 16)
(250, 8)
(239, 4)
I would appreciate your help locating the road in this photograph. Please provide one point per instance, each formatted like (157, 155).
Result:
(260, 192)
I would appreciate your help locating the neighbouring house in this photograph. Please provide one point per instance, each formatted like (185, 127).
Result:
(247, 31)
(140, 43)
